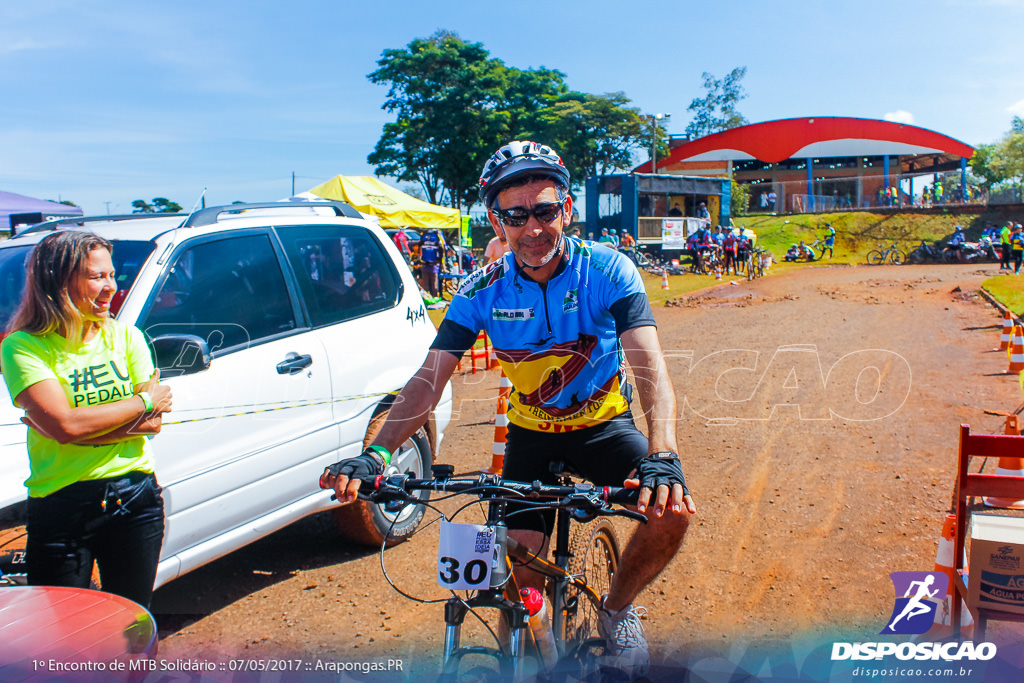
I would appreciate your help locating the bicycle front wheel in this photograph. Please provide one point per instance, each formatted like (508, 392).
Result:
(897, 257)
(595, 559)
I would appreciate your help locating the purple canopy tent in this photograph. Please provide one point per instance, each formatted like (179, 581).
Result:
(31, 210)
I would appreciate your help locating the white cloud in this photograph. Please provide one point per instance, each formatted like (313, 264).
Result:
(899, 116)
(1016, 109)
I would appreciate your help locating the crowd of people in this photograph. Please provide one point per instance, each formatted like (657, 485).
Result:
(725, 245)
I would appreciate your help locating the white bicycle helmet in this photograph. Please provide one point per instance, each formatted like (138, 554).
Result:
(517, 158)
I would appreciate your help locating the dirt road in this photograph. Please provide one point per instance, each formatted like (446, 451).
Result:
(818, 424)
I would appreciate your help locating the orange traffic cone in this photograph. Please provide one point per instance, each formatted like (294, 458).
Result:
(1017, 351)
(1007, 333)
(1008, 467)
(664, 280)
(944, 564)
(500, 426)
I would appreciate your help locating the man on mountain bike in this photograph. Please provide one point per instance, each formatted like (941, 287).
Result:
(563, 317)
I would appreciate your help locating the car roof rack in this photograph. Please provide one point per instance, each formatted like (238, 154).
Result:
(80, 220)
(211, 215)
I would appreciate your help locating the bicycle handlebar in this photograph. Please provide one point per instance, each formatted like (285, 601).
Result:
(586, 500)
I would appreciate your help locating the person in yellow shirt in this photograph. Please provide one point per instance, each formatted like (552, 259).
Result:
(91, 396)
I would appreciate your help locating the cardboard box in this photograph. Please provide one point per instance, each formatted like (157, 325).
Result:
(997, 563)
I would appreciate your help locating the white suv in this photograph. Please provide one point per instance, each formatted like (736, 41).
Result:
(285, 331)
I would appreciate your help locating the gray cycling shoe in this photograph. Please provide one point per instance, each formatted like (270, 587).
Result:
(625, 642)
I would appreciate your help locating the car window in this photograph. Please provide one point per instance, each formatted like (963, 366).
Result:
(128, 257)
(343, 272)
(230, 292)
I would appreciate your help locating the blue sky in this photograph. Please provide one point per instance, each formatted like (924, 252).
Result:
(109, 101)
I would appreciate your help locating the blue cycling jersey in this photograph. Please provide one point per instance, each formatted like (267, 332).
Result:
(557, 343)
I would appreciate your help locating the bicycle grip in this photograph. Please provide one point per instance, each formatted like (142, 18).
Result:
(623, 496)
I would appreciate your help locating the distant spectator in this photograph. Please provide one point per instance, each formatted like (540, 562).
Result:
(401, 241)
(830, 240)
(675, 210)
(605, 238)
(702, 211)
(496, 248)
(1004, 245)
(1017, 241)
(432, 250)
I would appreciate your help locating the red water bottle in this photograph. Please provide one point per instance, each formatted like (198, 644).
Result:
(540, 625)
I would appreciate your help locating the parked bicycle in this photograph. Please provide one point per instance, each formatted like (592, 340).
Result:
(891, 254)
(817, 250)
(925, 253)
(586, 556)
(758, 261)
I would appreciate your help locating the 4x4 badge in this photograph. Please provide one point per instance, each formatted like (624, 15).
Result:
(415, 316)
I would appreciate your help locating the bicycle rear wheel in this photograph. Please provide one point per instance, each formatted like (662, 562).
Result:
(875, 257)
(595, 559)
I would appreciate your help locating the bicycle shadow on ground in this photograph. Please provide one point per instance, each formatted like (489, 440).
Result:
(310, 543)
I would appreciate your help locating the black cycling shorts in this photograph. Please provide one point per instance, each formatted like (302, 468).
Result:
(605, 454)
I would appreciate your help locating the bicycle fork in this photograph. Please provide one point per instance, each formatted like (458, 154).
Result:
(514, 613)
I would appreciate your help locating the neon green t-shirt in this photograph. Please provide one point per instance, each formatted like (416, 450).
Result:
(103, 370)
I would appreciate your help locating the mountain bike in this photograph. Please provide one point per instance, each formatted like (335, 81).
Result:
(817, 248)
(586, 557)
(891, 254)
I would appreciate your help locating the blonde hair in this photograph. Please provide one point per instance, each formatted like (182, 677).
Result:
(47, 305)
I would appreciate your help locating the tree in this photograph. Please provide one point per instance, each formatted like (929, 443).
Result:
(739, 199)
(981, 166)
(593, 133)
(454, 105)
(446, 95)
(1001, 163)
(716, 111)
(159, 205)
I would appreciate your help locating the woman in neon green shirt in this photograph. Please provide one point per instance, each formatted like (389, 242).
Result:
(91, 396)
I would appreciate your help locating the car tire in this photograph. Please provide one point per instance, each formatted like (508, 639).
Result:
(369, 524)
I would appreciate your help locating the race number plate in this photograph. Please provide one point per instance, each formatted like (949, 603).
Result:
(464, 556)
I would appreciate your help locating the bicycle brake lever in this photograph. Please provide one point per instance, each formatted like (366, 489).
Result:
(631, 514)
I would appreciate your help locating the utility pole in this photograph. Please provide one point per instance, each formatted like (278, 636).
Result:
(293, 183)
(655, 130)
(108, 207)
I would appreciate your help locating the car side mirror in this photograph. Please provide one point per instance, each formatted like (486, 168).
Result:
(180, 354)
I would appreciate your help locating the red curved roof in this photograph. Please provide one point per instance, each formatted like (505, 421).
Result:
(819, 136)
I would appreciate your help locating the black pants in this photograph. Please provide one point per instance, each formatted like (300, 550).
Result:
(1018, 258)
(117, 522)
(1004, 256)
(605, 454)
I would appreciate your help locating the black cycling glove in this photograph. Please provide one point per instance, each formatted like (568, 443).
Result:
(364, 466)
(661, 469)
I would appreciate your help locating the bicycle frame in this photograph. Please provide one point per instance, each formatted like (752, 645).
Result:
(579, 502)
(505, 598)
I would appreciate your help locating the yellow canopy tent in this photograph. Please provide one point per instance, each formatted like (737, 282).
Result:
(394, 208)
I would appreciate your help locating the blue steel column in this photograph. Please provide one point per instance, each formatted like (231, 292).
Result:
(725, 203)
(810, 184)
(963, 179)
(885, 167)
(590, 223)
(630, 206)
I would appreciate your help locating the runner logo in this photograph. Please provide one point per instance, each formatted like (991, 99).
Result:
(918, 595)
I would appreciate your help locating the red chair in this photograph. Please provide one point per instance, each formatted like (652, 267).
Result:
(975, 485)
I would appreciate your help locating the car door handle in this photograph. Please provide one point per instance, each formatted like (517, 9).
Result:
(293, 363)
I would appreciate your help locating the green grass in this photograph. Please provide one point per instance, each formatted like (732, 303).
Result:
(857, 233)
(1008, 290)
